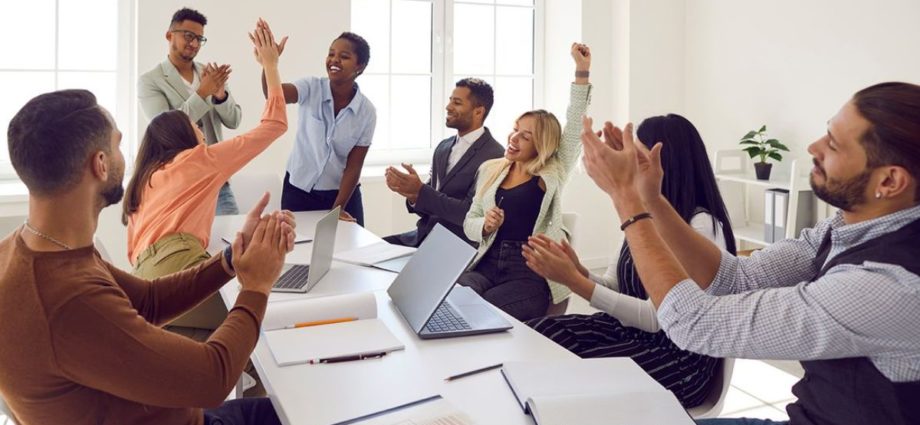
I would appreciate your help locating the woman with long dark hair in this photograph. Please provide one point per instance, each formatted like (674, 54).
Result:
(170, 201)
(627, 325)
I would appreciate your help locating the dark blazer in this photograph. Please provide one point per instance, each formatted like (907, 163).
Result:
(449, 205)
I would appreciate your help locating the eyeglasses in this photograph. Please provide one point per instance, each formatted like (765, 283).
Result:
(190, 37)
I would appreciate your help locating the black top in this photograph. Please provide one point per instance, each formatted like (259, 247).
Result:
(522, 206)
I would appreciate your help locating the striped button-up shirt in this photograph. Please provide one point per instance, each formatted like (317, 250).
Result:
(764, 307)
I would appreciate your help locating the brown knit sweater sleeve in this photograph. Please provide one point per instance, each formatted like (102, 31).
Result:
(100, 341)
(165, 298)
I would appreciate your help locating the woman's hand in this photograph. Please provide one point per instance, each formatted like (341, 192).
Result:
(570, 252)
(550, 260)
(265, 50)
(582, 55)
(494, 219)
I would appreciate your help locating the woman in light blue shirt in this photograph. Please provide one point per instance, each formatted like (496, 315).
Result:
(334, 131)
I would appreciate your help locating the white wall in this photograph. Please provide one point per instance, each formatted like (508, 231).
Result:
(791, 64)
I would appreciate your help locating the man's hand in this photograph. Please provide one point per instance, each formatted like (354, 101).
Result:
(259, 265)
(213, 77)
(255, 214)
(407, 184)
(221, 94)
(495, 217)
(550, 260)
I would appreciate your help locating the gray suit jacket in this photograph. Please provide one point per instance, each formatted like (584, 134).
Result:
(161, 89)
(448, 204)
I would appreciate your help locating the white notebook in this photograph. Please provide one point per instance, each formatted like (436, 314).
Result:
(294, 337)
(369, 255)
(604, 391)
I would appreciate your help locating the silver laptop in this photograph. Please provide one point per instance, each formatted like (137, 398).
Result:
(303, 277)
(426, 296)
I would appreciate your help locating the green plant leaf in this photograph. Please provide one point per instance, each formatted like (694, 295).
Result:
(749, 142)
(775, 156)
(762, 129)
(776, 144)
(752, 151)
(749, 135)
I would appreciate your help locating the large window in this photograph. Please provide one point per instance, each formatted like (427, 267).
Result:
(59, 44)
(420, 48)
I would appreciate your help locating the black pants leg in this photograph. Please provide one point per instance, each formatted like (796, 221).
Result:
(243, 411)
(295, 199)
(503, 279)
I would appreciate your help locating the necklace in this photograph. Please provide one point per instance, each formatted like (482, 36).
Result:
(35, 232)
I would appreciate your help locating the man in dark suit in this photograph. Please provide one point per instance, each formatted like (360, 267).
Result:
(447, 195)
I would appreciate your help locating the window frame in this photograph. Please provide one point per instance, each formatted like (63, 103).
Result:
(442, 81)
(125, 100)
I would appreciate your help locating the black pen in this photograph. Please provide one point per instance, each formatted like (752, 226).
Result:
(349, 358)
(473, 372)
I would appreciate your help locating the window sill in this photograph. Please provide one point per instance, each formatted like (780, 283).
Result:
(12, 192)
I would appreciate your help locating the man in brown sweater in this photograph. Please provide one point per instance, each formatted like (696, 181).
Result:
(82, 342)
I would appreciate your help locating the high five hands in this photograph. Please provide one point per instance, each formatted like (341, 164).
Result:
(264, 46)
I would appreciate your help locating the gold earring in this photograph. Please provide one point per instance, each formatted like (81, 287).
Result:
(878, 195)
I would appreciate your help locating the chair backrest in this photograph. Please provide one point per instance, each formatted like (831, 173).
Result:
(248, 188)
(712, 406)
(9, 224)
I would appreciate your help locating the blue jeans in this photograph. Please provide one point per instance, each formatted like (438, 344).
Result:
(243, 411)
(739, 421)
(226, 202)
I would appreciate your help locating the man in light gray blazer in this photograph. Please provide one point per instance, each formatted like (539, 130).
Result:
(198, 90)
(447, 195)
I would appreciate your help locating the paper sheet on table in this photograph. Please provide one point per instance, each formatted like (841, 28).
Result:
(314, 343)
(361, 305)
(374, 253)
(638, 408)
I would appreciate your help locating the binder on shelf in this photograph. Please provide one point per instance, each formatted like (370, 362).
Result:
(768, 211)
(780, 213)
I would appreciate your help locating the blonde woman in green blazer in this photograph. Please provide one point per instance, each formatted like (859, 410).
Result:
(521, 195)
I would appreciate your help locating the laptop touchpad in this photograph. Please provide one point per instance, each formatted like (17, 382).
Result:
(478, 315)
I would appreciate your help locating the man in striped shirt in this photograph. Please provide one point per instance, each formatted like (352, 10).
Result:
(843, 298)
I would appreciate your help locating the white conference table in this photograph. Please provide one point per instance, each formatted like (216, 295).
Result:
(329, 393)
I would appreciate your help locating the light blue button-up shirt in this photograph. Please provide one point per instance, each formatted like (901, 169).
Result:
(324, 140)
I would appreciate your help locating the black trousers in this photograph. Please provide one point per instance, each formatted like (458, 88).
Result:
(243, 411)
(294, 199)
(502, 278)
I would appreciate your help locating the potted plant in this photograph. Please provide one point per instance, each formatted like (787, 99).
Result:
(757, 145)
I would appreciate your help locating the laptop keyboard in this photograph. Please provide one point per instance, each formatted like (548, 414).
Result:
(295, 278)
(445, 319)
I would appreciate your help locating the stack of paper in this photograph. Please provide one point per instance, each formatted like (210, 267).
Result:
(316, 330)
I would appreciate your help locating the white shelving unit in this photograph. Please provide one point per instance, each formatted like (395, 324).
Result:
(734, 171)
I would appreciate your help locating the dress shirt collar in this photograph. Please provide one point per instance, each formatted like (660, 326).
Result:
(857, 233)
(472, 136)
(356, 102)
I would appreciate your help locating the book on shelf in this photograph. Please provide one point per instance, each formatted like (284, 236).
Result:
(327, 330)
(601, 391)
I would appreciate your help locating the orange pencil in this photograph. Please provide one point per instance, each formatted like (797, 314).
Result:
(321, 322)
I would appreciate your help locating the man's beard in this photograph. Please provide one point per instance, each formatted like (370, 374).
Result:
(113, 191)
(842, 194)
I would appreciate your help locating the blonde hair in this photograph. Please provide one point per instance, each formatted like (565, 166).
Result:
(546, 140)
